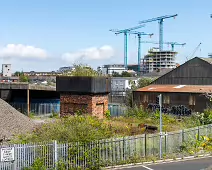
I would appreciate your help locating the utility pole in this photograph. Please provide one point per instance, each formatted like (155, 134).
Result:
(161, 124)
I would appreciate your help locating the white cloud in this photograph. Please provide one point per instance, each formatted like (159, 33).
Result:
(93, 53)
(22, 51)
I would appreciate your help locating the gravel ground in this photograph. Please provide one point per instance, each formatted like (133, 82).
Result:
(12, 121)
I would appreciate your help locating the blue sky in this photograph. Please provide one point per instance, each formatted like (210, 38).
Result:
(66, 31)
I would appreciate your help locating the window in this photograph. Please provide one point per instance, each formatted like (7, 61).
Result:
(191, 100)
(166, 99)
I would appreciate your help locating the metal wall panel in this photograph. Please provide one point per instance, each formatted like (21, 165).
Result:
(176, 99)
(83, 84)
(194, 72)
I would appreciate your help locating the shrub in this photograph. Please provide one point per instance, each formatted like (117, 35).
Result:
(69, 129)
(107, 114)
(205, 117)
(137, 112)
(37, 165)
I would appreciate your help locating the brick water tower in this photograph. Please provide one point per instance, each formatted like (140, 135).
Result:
(84, 95)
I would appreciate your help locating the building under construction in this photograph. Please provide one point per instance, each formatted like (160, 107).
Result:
(157, 60)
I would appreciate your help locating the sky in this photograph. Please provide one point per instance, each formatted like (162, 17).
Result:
(43, 35)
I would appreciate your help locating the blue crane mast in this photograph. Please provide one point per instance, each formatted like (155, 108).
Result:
(160, 21)
(168, 43)
(126, 32)
(139, 34)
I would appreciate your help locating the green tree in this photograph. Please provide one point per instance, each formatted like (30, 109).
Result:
(115, 74)
(17, 73)
(142, 82)
(126, 74)
(83, 70)
(23, 78)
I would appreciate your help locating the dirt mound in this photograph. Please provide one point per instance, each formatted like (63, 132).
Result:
(13, 122)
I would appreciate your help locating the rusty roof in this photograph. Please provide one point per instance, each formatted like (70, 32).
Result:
(177, 88)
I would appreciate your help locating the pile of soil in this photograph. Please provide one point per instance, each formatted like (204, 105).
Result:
(12, 122)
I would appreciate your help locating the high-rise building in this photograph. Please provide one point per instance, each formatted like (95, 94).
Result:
(157, 60)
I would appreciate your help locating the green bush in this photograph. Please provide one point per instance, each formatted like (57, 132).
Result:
(31, 115)
(69, 129)
(107, 114)
(37, 165)
(205, 117)
(137, 112)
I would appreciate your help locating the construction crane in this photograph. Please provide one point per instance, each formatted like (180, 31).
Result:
(126, 32)
(168, 43)
(139, 34)
(160, 21)
(193, 53)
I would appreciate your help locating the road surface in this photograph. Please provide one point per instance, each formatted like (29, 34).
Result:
(195, 164)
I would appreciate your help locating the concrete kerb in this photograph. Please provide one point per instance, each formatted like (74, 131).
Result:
(160, 161)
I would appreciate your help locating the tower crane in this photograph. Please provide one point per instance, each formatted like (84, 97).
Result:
(160, 21)
(193, 53)
(139, 34)
(169, 43)
(126, 32)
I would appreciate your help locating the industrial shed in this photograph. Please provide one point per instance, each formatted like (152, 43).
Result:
(197, 71)
(190, 96)
(186, 85)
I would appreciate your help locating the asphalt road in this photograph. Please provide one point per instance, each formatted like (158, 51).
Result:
(196, 164)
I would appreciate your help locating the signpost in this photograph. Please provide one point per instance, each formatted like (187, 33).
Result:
(7, 154)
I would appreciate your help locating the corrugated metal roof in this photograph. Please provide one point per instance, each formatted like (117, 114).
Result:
(177, 88)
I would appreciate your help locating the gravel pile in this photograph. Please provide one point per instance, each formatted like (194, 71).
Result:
(13, 122)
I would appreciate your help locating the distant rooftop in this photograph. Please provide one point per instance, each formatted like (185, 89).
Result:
(118, 65)
(159, 73)
(25, 86)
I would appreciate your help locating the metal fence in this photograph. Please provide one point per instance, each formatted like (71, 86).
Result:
(101, 153)
(40, 109)
(37, 108)
(117, 109)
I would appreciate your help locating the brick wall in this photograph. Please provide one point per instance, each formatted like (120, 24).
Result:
(95, 105)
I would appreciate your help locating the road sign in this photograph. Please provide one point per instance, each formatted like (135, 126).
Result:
(7, 154)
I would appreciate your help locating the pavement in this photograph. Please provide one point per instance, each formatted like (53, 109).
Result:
(193, 164)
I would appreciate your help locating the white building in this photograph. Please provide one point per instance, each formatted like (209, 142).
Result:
(111, 68)
(120, 84)
(6, 70)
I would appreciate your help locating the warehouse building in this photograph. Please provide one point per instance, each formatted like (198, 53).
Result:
(186, 85)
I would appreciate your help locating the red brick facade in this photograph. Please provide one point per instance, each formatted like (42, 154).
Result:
(95, 105)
